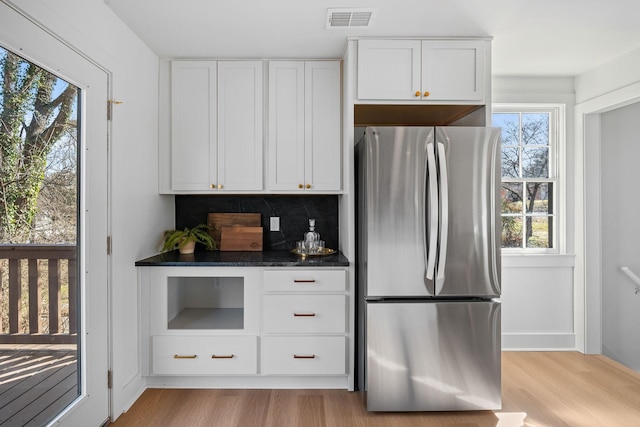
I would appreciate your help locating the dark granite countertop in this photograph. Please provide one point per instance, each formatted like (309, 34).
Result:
(242, 259)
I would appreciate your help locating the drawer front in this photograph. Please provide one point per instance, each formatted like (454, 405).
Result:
(304, 313)
(303, 280)
(304, 355)
(195, 355)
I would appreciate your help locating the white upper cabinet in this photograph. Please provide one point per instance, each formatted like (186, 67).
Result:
(193, 125)
(429, 71)
(240, 125)
(216, 126)
(304, 126)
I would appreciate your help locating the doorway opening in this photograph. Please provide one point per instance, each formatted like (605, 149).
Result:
(39, 249)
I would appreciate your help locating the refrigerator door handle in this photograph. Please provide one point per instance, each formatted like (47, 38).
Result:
(433, 212)
(444, 216)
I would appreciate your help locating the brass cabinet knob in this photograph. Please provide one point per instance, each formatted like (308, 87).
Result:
(219, 186)
(300, 186)
(417, 93)
(213, 186)
(308, 185)
(426, 93)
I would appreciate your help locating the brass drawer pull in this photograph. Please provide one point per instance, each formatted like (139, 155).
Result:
(304, 314)
(304, 280)
(182, 356)
(227, 356)
(298, 356)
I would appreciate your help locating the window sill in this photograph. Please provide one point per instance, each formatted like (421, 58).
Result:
(538, 260)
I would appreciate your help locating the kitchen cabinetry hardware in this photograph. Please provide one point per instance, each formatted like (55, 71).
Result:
(183, 356)
(304, 314)
(227, 356)
(417, 93)
(219, 186)
(426, 94)
(300, 186)
(298, 356)
(308, 186)
(304, 280)
(213, 186)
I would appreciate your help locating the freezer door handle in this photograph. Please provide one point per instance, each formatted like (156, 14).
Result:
(444, 216)
(433, 212)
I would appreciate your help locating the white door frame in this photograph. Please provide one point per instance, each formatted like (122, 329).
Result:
(23, 35)
(588, 274)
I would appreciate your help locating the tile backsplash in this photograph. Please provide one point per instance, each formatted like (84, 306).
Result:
(294, 213)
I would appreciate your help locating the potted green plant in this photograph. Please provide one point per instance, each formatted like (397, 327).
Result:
(185, 240)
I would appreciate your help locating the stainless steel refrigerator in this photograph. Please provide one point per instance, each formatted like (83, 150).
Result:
(428, 268)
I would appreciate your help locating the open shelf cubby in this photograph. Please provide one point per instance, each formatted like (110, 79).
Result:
(205, 303)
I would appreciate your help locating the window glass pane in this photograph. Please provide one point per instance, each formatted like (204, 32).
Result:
(511, 231)
(538, 195)
(510, 124)
(535, 162)
(535, 128)
(511, 197)
(539, 231)
(511, 162)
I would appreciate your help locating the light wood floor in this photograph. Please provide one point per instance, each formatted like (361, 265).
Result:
(538, 388)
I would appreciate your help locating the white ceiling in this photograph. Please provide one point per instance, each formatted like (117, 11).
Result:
(530, 37)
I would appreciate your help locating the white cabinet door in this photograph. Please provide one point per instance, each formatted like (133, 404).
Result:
(304, 126)
(429, 71)
(453, 70)
(193, 125)
(239, 125)
(389, 69)
(323, 164)
(286, 125)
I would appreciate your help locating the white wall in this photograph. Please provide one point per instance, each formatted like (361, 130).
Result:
(537, 290)
(620, 234)
(609, 77)
(611, 86)
(138, 214)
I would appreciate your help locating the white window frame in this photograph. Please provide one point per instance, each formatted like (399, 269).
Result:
(557, 171)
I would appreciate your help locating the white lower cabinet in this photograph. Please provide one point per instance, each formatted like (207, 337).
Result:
(304, 313)
(245, 327)
(304, 322)
(307, 355)
(205, 355)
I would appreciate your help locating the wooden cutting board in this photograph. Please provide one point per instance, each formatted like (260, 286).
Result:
(238, 238)
(217, 220)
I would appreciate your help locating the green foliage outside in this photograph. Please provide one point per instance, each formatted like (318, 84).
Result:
(38, 174)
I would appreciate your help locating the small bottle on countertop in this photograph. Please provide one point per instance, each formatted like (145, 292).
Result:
(311, 237)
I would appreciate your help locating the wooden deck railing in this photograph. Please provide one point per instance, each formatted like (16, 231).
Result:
(29, 271)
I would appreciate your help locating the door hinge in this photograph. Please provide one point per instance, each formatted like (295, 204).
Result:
(109, 379)
(110, 103)
(108, 245)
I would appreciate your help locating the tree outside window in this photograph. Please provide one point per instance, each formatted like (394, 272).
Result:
(529, 179)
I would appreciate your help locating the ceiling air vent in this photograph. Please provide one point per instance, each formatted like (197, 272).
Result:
(350, 18)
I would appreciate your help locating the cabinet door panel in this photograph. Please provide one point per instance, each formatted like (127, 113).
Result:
(240, 125)
(286, 125)
(304, 355)
(453, 70)
(193, 125)
(322, 125)
(204, 355)
(303, 280)
(304, 313)
(389, 69)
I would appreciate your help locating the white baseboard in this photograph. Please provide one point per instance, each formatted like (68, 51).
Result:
(539, 342)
